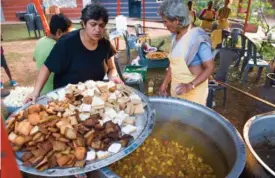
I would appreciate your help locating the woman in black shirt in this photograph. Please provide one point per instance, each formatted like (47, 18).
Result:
(80, 55)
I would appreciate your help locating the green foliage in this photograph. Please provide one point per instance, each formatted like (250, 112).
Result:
(260, 9)
(268, 51)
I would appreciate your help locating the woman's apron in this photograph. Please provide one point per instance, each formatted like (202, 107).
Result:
(207, 25)
(181, 74)
(223, 19)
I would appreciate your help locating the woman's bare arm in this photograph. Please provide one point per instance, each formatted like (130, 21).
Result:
(166, 81)
(112, 71)
(42, 78)
(208, 67)
(167, 78)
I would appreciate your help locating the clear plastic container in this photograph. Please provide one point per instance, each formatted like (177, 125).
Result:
(121, 23)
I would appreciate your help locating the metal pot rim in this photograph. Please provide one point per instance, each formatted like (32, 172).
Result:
(240, 161)
(149, 115)
(246, 130)
(271, 76)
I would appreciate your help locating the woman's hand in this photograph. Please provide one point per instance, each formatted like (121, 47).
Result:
(183, 88)
(116, 80)
(32, 97)
(163, 90)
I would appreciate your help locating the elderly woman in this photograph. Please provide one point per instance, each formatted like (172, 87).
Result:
(81, 54)
(191, 60)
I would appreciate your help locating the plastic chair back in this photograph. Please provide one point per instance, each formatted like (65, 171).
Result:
(138, 29)
(38, 23)
(128, 51)
(31, 9)
(226, 60)
(118, 68)
(235, 33)
(29, 18)
(237, 25)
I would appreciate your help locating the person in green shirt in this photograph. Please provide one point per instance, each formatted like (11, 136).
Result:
(59, 25)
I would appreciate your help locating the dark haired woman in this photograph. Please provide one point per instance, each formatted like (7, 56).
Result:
(80, 55)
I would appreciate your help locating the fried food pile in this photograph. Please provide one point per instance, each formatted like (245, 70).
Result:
(158, 55)
(82, 123)
(162, 158)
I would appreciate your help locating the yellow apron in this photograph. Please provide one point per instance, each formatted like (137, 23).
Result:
(207, 25)
(216, 38)
(182, 74)
(223, 18)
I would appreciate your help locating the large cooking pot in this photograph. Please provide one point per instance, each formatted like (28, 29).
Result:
(212, 125)
(259, 135)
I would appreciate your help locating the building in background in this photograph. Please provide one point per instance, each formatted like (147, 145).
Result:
(129, 8)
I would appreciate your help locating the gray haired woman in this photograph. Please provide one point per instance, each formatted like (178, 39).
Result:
(191, 59)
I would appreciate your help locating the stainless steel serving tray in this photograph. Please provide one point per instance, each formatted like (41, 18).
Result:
(144, 123)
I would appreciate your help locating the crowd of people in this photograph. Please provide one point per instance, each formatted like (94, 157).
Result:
(209, 16)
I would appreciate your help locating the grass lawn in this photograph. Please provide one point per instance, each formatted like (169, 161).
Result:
(14, 32)
(167, 42)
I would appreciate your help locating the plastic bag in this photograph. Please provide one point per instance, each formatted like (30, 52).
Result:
(135, 62)
(132, 77)
(132, 41)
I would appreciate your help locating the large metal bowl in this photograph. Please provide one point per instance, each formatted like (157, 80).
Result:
(259, 131)
(212, 125)
(144, 123)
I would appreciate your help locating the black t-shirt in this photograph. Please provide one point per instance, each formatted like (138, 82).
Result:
(71, 62)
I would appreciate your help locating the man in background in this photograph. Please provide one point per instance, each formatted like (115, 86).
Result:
(59, 25)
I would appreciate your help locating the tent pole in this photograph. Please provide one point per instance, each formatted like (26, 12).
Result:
(42, 16)
(8, 162)
(143, 15)
(247, 15)
(118, 7)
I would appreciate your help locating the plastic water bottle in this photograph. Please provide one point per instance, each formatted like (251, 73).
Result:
(150, 88)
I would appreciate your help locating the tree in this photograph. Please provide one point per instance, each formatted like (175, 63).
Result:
(218, 4)
(265, 10)
(260, 10)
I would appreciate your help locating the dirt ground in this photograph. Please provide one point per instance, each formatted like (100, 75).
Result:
(239, 108)
(18, 55)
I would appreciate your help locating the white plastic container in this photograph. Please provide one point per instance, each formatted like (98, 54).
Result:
(121, 23)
